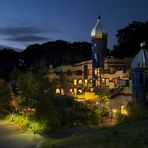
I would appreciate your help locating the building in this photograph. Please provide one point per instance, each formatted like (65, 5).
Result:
(99, 48)
(139, 68)
(99, 72)
(116, 74)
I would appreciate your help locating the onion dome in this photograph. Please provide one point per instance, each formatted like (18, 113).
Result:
(98, 31)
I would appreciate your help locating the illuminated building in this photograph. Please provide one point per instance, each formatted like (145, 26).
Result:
(90, 76)
(80, 75)
(99, 48)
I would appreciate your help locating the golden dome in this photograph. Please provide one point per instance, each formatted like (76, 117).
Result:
(98, 31)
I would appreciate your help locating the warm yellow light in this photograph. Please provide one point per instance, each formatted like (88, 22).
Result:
(75, 91)
(107, 82)
(123, 110)
(103, 80)
(62, 91)
(57, 91)
(96, 71)
(80, 81)
(91, 89)
(98, 36)
(85, 81)
(80, 91)
(75, 81)
(71, 90)
(114, 111)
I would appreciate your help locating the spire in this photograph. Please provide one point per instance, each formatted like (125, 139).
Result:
(140, 60)
(98, 31)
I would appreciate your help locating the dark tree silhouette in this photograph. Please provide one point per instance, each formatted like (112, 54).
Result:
(130, 38)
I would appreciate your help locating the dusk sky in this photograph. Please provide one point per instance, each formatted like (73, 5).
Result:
(24, 22)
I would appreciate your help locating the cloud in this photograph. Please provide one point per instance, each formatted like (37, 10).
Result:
(25, 33)
(28, 38)
(16, 31)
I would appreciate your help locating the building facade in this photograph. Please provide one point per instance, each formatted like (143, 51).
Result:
(140, 77)
(79, 75)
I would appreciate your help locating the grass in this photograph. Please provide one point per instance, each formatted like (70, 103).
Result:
(129, 135)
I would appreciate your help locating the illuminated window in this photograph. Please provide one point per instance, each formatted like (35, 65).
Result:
(57, 91)
(103, 80)
(75, 81)
(85, 82)
(75, 91)
(96, 71)
(71, 90)
(80, 82)
(62, 91)
(80, 91)
(107, 82)
(91, 89)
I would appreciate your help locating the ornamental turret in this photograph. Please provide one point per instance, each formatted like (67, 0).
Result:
(99, 48)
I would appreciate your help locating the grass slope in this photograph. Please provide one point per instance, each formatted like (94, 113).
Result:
(129, 135)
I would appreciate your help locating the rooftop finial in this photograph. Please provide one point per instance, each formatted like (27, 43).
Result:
(99, 17)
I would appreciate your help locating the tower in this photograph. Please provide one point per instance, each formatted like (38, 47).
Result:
(139, 67)
(99, 48)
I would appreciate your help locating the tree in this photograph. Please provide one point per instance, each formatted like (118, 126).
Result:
(130, 38)
(5, 94)
(102, 104)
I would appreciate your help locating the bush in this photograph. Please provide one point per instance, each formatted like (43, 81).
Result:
(3, 114)
(136, 111)
(121, 118)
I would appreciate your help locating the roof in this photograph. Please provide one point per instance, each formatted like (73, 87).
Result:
(140, 60)
(98, 31)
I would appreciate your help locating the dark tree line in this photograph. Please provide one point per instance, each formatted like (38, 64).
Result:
(54, 52)
(62, 53)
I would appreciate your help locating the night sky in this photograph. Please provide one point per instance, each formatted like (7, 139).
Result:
(24, 22)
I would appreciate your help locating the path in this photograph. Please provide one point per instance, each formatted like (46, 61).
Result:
(13, 137)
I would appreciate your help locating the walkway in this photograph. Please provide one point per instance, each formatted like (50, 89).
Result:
(13, 137)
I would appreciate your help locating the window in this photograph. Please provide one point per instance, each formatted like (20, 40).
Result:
(86, 82)
(85, 71)
(141, 78)
(58, 91)
(80, 91)
(107, 82)
(69, 73)
(62, 91)
(80, 81)
(133, 78)
(75, 82)
(71, 90)
(79, 72)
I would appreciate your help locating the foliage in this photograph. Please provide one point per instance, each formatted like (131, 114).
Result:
(129, 39)
(5, 94)
(136, 111)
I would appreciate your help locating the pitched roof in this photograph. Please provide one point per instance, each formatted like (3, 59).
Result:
(140, 60)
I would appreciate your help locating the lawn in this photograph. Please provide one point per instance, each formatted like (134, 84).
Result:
(129, 135)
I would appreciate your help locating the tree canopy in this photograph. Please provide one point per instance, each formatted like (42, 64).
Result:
(129, 39)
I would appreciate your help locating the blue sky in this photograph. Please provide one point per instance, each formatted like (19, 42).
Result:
(25, 22)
